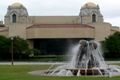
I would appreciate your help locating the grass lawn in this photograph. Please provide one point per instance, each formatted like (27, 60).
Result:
(20, 72)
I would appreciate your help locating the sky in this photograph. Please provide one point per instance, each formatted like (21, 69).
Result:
(109, 8)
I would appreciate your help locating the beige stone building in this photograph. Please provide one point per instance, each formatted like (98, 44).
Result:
(89, 24)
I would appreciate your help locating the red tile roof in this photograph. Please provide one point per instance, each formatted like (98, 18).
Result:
(60, 26)
(2, 30)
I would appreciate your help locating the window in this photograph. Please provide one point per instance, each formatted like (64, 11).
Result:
(93, 18)
(14, 18)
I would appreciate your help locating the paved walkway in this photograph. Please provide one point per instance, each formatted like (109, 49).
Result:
(112, 62)
(31, 63)
(45, 63)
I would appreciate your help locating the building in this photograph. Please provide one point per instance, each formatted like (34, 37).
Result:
(89, 24)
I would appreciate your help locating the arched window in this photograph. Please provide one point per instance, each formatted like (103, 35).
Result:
(93, 18)
(14, 18)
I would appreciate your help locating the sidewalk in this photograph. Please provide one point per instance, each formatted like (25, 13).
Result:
(46, 63)
(31, 63)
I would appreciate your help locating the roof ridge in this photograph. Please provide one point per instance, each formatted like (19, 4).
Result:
(60, 26)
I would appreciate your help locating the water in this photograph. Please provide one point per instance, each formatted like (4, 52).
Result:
(87, 59)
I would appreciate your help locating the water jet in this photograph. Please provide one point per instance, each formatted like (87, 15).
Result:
(87, 60)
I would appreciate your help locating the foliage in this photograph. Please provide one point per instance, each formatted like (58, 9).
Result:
(112, 46)
(46, 58)
(19, 48)
(32, 52)
(4, 47)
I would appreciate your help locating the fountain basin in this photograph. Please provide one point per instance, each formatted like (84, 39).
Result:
(87, 72)
(87, 60)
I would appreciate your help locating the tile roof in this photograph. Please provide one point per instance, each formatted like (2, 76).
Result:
(60, 26)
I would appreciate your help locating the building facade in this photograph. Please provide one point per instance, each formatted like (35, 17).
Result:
(89, 24)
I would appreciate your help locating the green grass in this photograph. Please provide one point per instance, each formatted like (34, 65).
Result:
(20, 72)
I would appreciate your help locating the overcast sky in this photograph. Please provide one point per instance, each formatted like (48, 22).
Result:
(109, 8)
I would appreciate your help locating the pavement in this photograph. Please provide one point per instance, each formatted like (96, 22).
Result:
(112, 62)
(47, 63)
(31, 63)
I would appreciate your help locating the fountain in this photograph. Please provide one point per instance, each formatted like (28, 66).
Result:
(87, 60)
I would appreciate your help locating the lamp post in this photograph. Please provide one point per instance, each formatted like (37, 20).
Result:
(12, 51)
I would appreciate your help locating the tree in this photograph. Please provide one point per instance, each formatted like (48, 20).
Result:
(20, 46)
(112, 46)
(4, 47)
